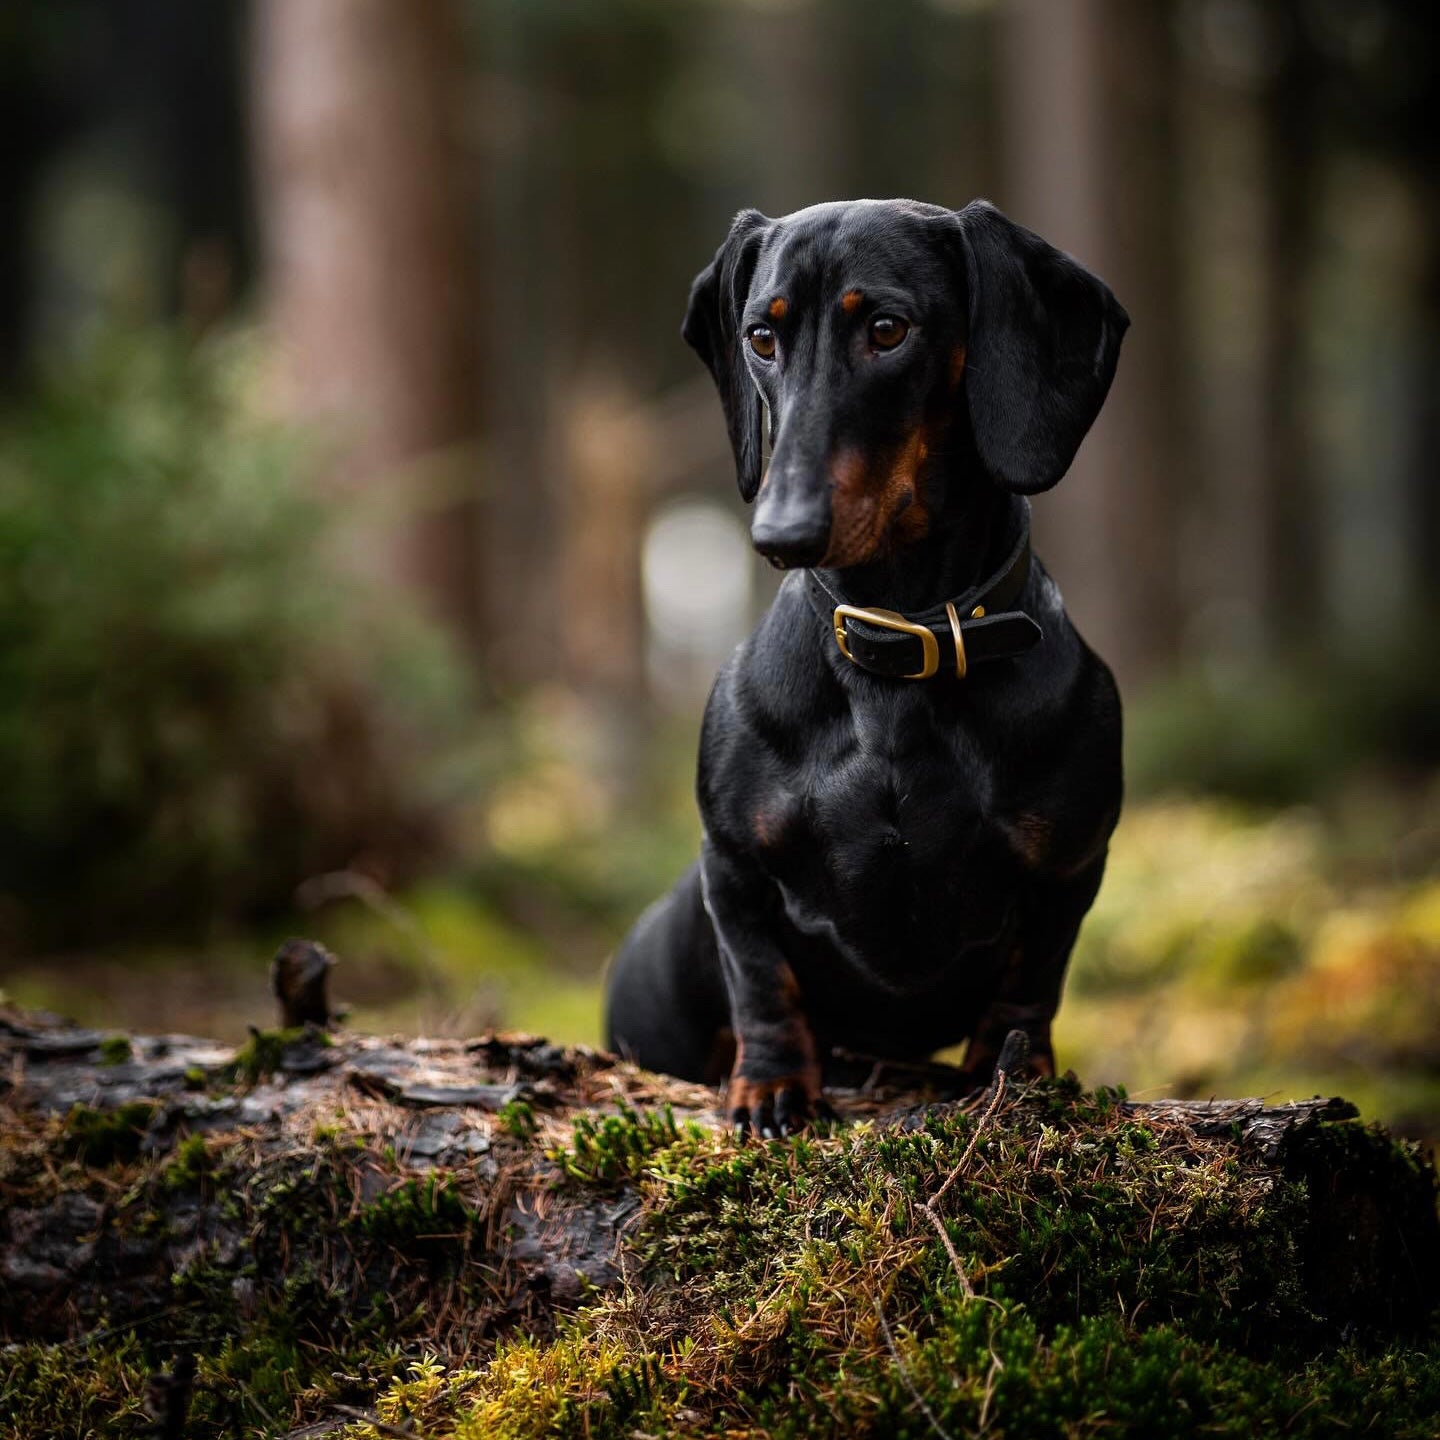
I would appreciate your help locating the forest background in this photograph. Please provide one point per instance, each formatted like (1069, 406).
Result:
(368, 537)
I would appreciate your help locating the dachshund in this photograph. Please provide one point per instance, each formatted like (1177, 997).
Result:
(910, 771)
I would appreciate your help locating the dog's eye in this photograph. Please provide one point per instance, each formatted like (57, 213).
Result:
(762, 342)
(886, 332)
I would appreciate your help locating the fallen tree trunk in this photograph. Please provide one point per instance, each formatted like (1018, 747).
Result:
(205, 1241)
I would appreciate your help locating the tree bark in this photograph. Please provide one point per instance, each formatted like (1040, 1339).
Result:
(450, 1108)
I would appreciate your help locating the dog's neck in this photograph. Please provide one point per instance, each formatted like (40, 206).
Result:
(968, 540)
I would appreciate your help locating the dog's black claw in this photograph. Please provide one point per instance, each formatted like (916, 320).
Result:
(740, 1123)
(793, 1110)
(765, 1119)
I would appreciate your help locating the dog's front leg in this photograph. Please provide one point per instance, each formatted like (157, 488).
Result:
(1034, 974)
(775, 1083)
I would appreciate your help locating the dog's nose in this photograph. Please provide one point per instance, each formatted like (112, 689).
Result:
(790, 547)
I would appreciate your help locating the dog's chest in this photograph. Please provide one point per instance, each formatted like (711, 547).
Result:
(901, 797)
(889, 835)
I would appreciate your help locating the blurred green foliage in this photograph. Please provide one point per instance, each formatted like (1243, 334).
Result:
(199, 705)
(1289, 734)
(1235, 951)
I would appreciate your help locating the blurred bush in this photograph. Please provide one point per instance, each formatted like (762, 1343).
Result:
(1243, 952)
(199, 704)
(1288, 735)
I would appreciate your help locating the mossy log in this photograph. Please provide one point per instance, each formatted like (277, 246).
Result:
(325, 1234)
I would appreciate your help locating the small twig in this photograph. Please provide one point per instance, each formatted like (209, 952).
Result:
(95, 1337)
(910, 1385)
(931, 1206)
(933, 1216)
(974, 1139)
(252, 1398)
(370, 1418)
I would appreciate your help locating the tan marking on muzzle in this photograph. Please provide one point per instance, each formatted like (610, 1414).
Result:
(852, 509)
(871, 511)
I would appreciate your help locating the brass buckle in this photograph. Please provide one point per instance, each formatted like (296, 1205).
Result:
(889, 620)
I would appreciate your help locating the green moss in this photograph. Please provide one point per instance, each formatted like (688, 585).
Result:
(115, 1050)
(295, 1285)
(517, 1119)
(618, 1147)
(73, 1393)
(107, 1137)
(189, 1166)
(1060, 1267)
(263, 1055)
(416, 1217)
(1073, 1212)
(1099, 1376)
(1109, 1277)
(973, 1369)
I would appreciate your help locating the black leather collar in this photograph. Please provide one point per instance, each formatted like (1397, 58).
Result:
(946, 639)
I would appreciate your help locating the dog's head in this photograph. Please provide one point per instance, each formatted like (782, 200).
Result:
(893, 344)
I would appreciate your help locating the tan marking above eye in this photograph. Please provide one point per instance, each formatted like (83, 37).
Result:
(779, 308)
(886, 332)
(762, 342)
(850, 301)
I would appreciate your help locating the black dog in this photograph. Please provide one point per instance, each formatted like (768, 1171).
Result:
(906, 809)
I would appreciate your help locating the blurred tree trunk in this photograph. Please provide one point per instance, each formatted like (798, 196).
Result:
(1290, 517)
(1424, 487)
(606, 457)
(533, 241)
(1223, 162)
(573, 163)
(1250, 160)
(372, 274)
(796, 59)
(1087, 89)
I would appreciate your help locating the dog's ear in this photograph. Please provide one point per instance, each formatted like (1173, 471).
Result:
(1044, 336)
(712, 330)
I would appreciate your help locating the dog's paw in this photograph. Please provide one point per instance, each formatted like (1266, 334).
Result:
(772, 1108)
